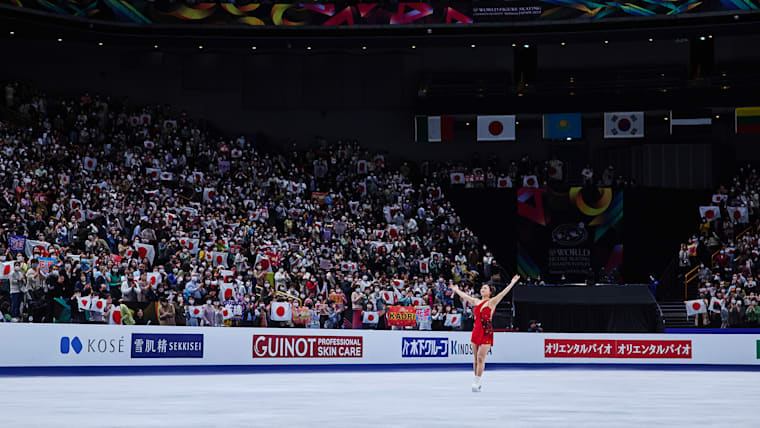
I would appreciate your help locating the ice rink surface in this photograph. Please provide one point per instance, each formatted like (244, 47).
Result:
(425, 398)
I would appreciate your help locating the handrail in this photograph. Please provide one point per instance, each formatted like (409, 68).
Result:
(742, 233)
(687, 280)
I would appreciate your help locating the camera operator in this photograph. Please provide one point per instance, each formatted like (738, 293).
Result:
(535, 327)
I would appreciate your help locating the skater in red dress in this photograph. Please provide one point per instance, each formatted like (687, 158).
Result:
(482, 331)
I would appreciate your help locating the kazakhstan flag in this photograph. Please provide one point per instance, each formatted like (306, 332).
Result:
(560, 126)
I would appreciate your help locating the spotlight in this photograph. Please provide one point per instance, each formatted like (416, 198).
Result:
(666, 118)
(308, 48)
(651, 40)
(702, 38)
(526, 46)
(60, 40)
(253, 48)
(569, 138)
(517, 122)
(155, 46)
(710, 36)
(364, 48)
(514, 45)
(717, 116)
(563, 43)
(467, 124)
(472, 45)
(200, 46)
(100, 43)
(13, 33)
(606, 42)
(414, 46)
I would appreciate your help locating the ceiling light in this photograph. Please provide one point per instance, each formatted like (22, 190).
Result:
(13, 33)
(253, 48)
(717, 116)
(364, 48)
(514, 45)
(569, 138)
(519, 94)
(606, 42)
(200, 46)
(666, 118)
(526, 46)
(472, 45)
(308, 48)
(100, 43)
(563, 43)
(702, 38)
(517, 122)
(155, 46)
(467, 124)
(710, 36)
(414, 46)
(651, 39)
(60, 40)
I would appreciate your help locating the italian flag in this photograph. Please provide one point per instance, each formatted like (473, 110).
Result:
(747, 120)
(434, 129)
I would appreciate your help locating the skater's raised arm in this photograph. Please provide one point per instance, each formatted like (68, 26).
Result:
(464, 296)
(497, 298)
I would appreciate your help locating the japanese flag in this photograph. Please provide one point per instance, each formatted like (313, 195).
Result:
(114, 317)
(149, 144)
(227, 312)
(417, 301)
(281, 311)
(145, 250)
(195, 311)
(361, 167)
(208, 194)
(379, 233)
(80, 215)
(145, 118)
(353, 206)
(453, 320)
(393, 231)
(457, 178)
(263, 262)
(709, 212)
(503, 182)
(75, 204)
(134, 120)
(227, 291)
(436, 193)
(65, 180)
(530, 181)
(718, 198)
(227, 275)
(370, 318)
(30, 245)
(398, 282)
(151, 193)
(388, 296)
(716, 305)
(738, 214)
(92, 215)
(196, 177)
(167, 176)
(97, 305)
(190, 244)
(170, 124)
(219, 258)
(236, 153)
(153, 173)
(100, 187)
(695, 307)
(362, 186)
(348, 266)
(6, 269)
(90, 163)
(555, 171)
(84, 303)
(587, 173)
(154, 278)
(424, 266)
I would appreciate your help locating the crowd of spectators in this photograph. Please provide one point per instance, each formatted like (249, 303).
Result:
(724, 255)
(160, 220)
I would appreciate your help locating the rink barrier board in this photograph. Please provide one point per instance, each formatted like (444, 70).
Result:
(49, 348)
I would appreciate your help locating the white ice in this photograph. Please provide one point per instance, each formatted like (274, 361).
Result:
(435, 398)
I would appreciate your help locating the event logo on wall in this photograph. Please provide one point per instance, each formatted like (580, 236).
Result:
(607, 348)
(167, 345)
(569, 233)
(292, 346)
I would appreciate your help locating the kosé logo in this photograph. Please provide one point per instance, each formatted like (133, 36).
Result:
(424, 347)
(75, 345)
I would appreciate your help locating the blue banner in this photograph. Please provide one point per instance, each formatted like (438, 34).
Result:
(16, 243)
(561, 126)
(167, 345)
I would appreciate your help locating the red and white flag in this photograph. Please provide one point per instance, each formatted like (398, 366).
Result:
(167, 176)
(149, 144)
(457, 177)
(424, 266)
(362, 187)
(281, 311)
(145, 118)
(208, 194)
(530, 181)
(219, 258)
(587, 173)
(92, 215)
(97, 305)
(170, 124)
(361, 167)
(227, 291)
(503, 182)
(100, 187)
(370, 317)
(453, 320)
(145, 250)
(195, 311)
(6, 269)
(236, 153)
(84, 303)
(716, 305)
(114, 317)
(393, 231)
(263, 262)
(398, 283)
(694, 307)
(418, 301)
(75, 204)
(227, 312)
(388, 296)
(709, 212)
(134, 120)
(154, 278)
(738, 214)
(90, 163)
(153, 173)
(348, 266)
(718, 198)
(196, 177)
(190, 244)
(30, 245)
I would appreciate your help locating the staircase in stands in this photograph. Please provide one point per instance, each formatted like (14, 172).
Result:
(674, 315)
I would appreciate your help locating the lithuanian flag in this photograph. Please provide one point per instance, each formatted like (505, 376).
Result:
(748, 120)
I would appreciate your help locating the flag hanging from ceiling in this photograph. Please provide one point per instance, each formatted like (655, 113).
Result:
(696, 122)
(434, 129)
(747, 120)
(496, 128)
(624, 124)
(561, 126)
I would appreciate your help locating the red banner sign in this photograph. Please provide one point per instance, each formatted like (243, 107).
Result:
(288, 346)
(404, 316)
(607, 348)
